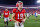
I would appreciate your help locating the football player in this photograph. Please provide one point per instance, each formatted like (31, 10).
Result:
(19, 16)
(36, 15)
(6, 15)
(28, 14)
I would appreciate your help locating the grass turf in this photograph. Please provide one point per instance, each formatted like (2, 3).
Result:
(30, 23)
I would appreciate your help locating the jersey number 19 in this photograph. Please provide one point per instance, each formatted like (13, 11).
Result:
(21, 16)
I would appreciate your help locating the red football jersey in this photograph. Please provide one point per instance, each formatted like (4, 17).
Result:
(6, 14)
(19, 15)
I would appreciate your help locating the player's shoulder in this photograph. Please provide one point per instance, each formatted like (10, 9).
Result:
(14, 10)
(8, 11)
(23, 9)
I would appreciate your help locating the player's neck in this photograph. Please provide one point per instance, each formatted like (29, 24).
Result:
(19, 8)
(5, 11)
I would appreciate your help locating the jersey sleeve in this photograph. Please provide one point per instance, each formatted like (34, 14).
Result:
(14, 10)
(24, 11)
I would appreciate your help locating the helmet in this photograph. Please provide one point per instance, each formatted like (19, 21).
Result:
(17, 4)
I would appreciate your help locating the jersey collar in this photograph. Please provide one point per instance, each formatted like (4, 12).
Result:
(19, 11)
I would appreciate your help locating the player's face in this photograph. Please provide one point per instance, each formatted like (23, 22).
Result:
(20, 5)
(6, 10)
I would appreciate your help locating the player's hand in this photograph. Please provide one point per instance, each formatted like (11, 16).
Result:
(17, 23)
(23, 20)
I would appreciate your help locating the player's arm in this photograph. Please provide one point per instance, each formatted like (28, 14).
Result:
(9, 14)
(13, 15)
(14, 19)
(3, 15)
(24, 18)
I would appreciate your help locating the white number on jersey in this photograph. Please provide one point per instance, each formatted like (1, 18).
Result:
(6, 13)
(21, 16)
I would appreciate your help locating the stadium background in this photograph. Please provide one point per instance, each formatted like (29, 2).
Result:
(29, 5)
